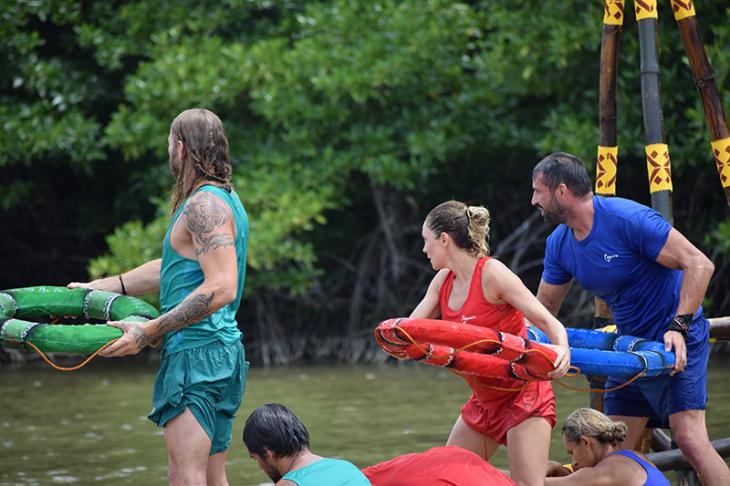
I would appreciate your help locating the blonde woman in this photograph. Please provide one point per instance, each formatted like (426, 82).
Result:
(473, 288)
(594, 442)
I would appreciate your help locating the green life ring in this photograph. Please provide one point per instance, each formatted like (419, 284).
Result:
(19, 306)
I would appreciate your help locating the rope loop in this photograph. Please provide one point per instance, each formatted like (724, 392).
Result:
(71, 368)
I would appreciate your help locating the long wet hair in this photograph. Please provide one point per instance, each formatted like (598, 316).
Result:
(275, 428)
(592, 423)
(468, 226)
(205, 153)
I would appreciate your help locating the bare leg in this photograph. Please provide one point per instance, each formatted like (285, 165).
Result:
(216, 473)
(464, 436)
(636, 427)
(528, 445)
(690, 433)
(188, 447)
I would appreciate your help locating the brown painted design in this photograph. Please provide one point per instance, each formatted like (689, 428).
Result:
(613, 12)
(606, 169)
(645, 9)
(721, 151)
(683, 9)
(659, 167)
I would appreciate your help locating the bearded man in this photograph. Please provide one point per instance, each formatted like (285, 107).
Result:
(200, 277)
(653, 280)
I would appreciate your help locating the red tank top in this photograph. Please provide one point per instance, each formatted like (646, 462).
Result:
(476, 310)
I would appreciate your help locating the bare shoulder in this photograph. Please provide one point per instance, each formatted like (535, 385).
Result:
(495, 270)
(438, 280)
(621, 469)
(494, 264)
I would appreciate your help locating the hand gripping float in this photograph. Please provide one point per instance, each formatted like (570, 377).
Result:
(17, 305)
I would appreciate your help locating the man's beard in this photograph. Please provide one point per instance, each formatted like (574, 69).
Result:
(273, 473)
(554, 215)
(175, 166)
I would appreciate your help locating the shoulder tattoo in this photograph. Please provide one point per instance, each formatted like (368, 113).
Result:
(204, 213)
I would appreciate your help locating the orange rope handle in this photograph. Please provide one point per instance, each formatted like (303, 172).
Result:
(410, 338)
(494, 341)
(493, 387)
(599, 390)
(72, 368)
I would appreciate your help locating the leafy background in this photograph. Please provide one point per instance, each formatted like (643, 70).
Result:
(347, 122)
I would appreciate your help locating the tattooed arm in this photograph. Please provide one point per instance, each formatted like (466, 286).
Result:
(209, 224)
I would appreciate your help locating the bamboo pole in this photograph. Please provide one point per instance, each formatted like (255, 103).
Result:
(657, 152)
(674, 459)
(607, 160)
(684, 13)
(660, 441)
(720, 328)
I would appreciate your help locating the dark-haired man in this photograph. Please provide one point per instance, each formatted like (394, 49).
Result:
(653, 279)
(279, 442)
(200, 278)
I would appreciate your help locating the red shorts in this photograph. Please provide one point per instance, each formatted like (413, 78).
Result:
(495, 417)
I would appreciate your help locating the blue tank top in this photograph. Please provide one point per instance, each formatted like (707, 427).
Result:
(654, 476)
(332, 472)
(179, 276)
(617, 262)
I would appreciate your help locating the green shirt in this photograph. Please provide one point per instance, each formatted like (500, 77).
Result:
(330, 472)
(180, 276)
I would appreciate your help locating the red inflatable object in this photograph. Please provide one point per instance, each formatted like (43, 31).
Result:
(471, 351)
(439, 466)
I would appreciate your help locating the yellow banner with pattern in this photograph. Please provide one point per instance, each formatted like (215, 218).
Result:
(606, 170)
(645, 9)
(683, 9)
(659, 167)
(721, 151)
(613, 12)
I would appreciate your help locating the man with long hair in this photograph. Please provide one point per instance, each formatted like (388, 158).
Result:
(200, 278)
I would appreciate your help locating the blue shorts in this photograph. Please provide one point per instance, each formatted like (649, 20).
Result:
(210, 381)
(659, 397)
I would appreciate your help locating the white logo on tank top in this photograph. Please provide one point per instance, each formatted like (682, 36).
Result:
(608, 257)
(467, 318)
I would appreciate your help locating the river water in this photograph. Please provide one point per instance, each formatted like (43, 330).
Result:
(89, 427)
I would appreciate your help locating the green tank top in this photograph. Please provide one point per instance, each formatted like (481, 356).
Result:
(179, 276)
(332, 472)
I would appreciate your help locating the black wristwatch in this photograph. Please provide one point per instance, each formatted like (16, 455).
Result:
(681, 324)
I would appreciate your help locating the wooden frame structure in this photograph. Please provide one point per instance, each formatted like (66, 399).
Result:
(657, 151)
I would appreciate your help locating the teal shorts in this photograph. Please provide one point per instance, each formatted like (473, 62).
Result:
(210, 381)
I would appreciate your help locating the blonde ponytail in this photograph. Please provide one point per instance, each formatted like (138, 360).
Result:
(468, 226)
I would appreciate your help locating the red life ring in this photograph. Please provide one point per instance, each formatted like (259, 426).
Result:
(475, 352)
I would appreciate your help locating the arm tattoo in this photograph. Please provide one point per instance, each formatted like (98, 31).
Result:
(193, 309)
(204, 214)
